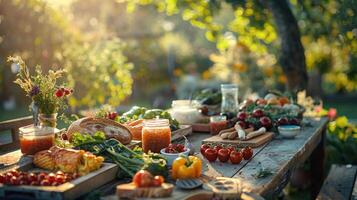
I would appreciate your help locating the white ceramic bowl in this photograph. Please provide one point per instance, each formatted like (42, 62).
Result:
(289, 131)
(170, 157)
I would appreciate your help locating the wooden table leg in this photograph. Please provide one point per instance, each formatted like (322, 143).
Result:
(317, 166)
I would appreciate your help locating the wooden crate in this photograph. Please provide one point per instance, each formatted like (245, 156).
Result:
(69, 190)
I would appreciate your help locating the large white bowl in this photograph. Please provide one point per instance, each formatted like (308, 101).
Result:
(289, 131)
(170, 157)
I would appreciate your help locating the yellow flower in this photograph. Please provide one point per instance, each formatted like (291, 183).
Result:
(342, 122)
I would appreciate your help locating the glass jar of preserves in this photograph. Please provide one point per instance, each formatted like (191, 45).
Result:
(36, 138)
(156, 135)
(218, 123)
(229, 98)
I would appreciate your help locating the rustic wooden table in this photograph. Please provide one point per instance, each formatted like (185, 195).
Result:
(280, 157)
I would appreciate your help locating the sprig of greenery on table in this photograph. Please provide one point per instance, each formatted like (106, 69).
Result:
(129, 161)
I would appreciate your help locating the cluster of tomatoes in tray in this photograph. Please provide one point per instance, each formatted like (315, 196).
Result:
(225, 154)
(15, 177)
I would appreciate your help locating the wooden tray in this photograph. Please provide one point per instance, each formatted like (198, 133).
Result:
(69, 190)
(254, 142)
(130, 191)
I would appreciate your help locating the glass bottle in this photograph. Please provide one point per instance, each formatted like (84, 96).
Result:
(229, 98)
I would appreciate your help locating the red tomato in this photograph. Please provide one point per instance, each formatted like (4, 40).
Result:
(41, 176)
(14, 172)
(31, 177)
(211, 154)
(203, 148)
(143, 179)
(2, 178)
(158, 181)
(60, 179)
(60, 173)
(235, 157)
(218, 147)
(230, 149)
(51, 177)
(45, 183)
(23, 180)
(75, 175)
(55, 184)
(14, 180)
(223, 155)
(247, 153)
(8, 177)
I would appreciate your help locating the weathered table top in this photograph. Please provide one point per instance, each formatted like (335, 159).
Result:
(280, 157)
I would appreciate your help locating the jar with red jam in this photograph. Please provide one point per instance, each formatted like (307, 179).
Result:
(218, 123)
(156, 135)
(36, 138)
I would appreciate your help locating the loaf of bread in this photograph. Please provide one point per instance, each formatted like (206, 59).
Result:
(110, 128)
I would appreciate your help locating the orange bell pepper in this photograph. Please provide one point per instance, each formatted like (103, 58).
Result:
(186, 167)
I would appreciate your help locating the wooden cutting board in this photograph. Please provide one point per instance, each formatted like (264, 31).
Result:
(254, 142)
(130, 191)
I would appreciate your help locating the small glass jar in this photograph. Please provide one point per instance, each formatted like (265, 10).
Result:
(36, 138)
(185, 111)
(218, 123)
(156, 135)
(229, 98)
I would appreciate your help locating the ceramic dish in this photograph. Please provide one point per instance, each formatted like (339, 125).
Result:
(289, 131)
(170, 157)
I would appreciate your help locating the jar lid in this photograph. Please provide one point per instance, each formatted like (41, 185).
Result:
(229, 86)
(38, 130)
(156, 122)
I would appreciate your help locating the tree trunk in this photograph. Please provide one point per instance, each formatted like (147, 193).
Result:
(292, 57)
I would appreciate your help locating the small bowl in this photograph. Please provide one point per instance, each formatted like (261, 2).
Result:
(289, 131)
(170, 157)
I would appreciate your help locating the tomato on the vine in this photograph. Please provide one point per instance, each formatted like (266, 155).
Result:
(211, 154)
(247, 153)
(218, 147)
(223, 155)
(235, 157)
(203, 148)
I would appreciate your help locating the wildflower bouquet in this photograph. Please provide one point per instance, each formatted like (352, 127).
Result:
(42, 88)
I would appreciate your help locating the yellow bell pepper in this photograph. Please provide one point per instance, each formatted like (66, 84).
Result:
(186, 167)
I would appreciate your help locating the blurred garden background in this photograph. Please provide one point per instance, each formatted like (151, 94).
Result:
(149, 52)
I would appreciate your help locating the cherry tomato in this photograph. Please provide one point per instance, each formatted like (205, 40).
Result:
(223, 155)
(60, 179)
(14, 172)
(41, 176)
(31, 177)
(235, 157)
(158, 181)
(60, 173)
(45, 183)
(211, 154)
(203, 148)
(23, 180)
(230, 149)
(55, 184)
(247, 153)
(218, 147)
(51, 177)
(8, 177)
(2, 178)
(67, 178)
(14, 180)
(143, 179)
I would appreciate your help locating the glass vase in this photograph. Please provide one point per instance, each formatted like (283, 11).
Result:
(49, 120)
